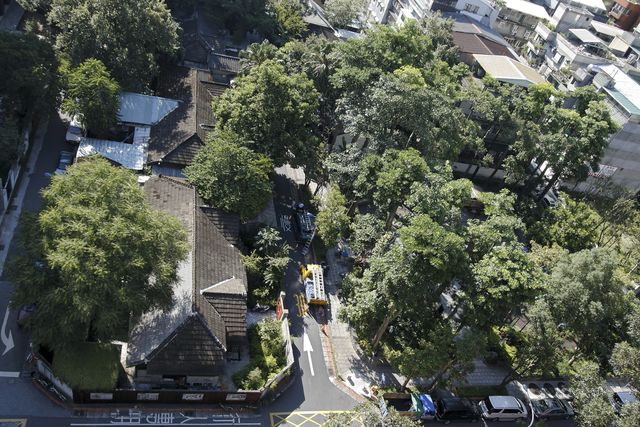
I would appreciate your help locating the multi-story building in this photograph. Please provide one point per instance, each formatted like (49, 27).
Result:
(483, 11)
(567, 16)
(517, 20)
(621, 161)
(625, 13)
(397, 11)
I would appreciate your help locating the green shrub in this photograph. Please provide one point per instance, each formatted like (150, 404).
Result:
(267, 352)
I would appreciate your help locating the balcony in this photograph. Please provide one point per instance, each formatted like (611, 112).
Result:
(545, 33)
(537, 49)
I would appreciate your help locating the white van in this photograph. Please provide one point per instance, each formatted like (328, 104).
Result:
(502, 408)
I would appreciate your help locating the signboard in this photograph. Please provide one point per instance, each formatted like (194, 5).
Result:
(148, 396)
(193, 396)
(280, 306)
(236, 397)
(101, 396)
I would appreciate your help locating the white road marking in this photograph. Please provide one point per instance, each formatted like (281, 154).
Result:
(285, 223)
(306, 347)
(8, 374)
(7, 339)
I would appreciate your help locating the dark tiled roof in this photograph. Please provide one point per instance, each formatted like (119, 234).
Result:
(474, 43)
(212, 260)
(228, 223)
(175, 83)
(172, 139)
(224, 63)
(184, 153)
(191, 351)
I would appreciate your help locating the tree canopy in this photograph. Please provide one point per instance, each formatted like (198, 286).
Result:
(230, 176)
(95, 255)
(346, 13)
(275, 113)
(92, 95)
(332, 220)
(129, 37)
(28, 73)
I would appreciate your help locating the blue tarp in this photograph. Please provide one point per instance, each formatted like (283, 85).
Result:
(429, 409)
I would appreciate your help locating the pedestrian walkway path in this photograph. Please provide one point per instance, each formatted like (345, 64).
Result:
(9, 222)
(355, 370)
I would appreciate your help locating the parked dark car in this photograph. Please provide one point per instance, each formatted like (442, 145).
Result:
(456, 408)
(551, 409)
(66, 160)
(305, 222)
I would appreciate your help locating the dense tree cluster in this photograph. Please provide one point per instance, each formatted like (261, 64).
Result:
(397, 92)
(95, 255)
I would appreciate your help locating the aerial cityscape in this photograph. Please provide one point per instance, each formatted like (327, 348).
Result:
(303, 213)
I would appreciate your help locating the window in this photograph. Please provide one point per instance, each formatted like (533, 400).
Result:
(527, 34)
(471, 8)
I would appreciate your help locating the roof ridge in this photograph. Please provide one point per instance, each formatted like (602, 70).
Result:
(179, 182)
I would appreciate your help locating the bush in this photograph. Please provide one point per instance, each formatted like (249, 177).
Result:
(266, 349)
(88, 366)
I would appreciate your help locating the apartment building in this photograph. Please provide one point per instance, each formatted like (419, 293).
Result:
(517, 20)
(625, 13)
(621, 161)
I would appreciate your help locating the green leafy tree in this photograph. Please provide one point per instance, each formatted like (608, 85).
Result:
(624, 359)
(288, 16)
(402, 111)
(439, 31)
(590, 398)
(332, 220)
(387, 179)
(504, 281)
(404, 280)
(28, 73)
(92, 95)
(441, 197)
(383, 49)
(35, 5)
(266, 266)
(276, 112)
(366, 230)
(573, 225)
(231, 176)
(368, 414)
(257, 53)
(346, 13)
(96, 255)
(584, 296)
(127, 36)
(440, 353)
(542, 350)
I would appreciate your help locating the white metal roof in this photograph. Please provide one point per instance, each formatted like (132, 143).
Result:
(622, 85)
(607, 29)
(505, 69)
(586, 36)
(130, 156)
(145, 110)
(528, 8)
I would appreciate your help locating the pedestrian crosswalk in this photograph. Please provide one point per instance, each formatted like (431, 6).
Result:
(308, 418)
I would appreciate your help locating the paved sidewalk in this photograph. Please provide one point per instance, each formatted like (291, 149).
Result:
(10, 221)
(355, 370)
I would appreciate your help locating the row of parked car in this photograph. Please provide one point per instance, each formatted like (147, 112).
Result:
(545, 399)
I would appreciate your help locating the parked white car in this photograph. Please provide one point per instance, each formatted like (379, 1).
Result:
(74, 131)
(502, 408)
